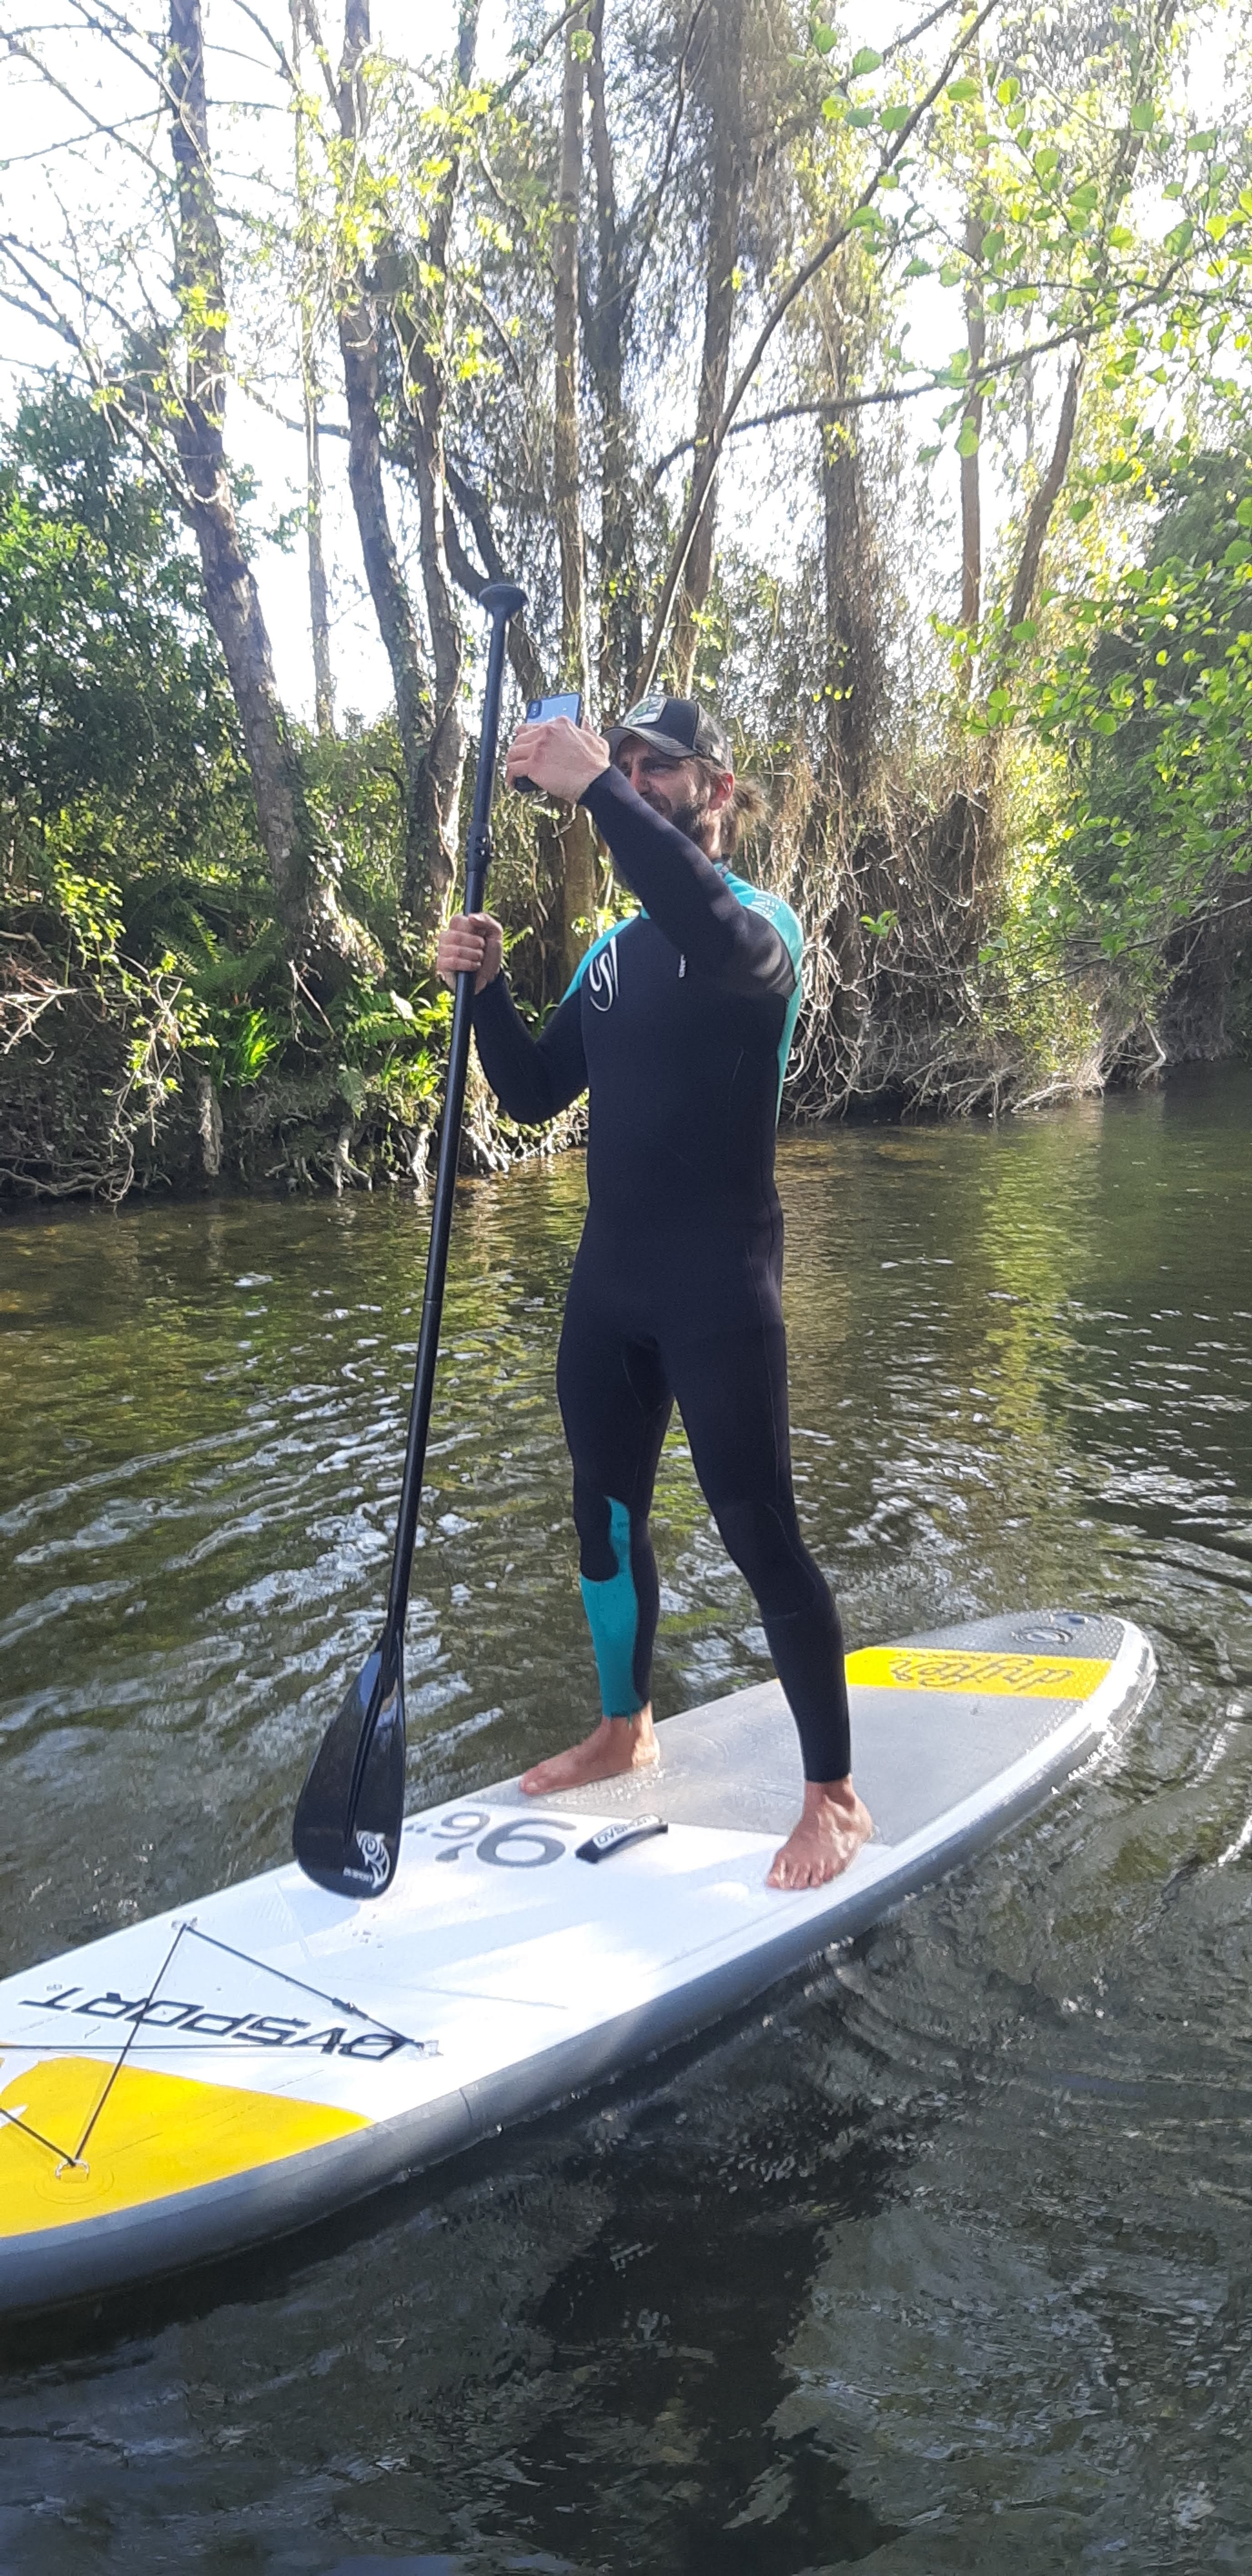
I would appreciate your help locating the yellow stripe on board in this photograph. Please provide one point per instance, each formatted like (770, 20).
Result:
(157, 2134)
(943, 1668)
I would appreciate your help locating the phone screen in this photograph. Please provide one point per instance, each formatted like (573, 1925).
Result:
(570, 704)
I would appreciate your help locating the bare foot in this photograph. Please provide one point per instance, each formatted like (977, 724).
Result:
(829, 1835)
(618, 1744)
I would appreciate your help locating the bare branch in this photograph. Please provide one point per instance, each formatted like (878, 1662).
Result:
(525, 69)
(648, 224)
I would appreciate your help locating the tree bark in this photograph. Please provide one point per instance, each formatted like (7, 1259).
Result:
(1044, 503)
(304, 900)
(976, 346)
(567, 497)
(319, 611)
(574, 839)
(971, 465)
(621, 621)
(726, 191)
(855, 675)
(427, 867)
(422, 325)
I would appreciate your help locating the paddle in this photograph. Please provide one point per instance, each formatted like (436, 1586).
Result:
(346, 1831)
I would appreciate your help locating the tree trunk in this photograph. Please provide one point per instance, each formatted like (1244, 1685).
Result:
(1043, 505)
(319, 615)
(304, 901)
(854, 675)
(427, 868)
(726, 188)
(976, 346)
(971, 417)
(319, 597)
(574, 839)
(621, 621)
(567, 498)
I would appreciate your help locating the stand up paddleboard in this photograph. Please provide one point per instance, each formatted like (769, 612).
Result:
(235, 2068)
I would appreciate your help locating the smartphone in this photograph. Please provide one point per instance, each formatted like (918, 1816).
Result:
(567, 702)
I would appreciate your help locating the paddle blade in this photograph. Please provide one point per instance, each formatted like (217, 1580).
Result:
(346, 1832)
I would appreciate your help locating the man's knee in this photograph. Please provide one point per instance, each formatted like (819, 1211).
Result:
(771, 1556)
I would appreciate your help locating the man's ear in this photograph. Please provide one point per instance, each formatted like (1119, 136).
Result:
(721, 790)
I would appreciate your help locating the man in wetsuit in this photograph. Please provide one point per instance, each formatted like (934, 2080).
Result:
(677, 1024)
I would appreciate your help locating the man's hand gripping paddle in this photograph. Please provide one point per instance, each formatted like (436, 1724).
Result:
(346, 1832)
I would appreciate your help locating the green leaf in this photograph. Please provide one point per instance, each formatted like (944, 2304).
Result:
(824, 39)
(1180, 239)
(894, 119)
(1080, 509)
(864, 62)
(1143, 116)
(962, 89)
(1046, 161)
(834, 107)
(967, 443)
(860, 116)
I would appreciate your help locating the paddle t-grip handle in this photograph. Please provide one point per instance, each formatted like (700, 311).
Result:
(502, 600)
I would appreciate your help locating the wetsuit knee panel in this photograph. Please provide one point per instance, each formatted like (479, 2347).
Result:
(771, 1556)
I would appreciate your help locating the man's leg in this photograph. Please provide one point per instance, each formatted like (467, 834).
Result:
(615, 1404)
(732, 1394)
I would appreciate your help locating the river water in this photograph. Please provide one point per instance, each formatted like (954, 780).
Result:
(941, 2261)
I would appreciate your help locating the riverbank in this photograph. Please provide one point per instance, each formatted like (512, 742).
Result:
(105, 1090)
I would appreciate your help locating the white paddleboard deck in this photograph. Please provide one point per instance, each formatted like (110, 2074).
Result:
(235, 2068)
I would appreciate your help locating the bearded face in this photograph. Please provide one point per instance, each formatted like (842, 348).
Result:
(679, 790)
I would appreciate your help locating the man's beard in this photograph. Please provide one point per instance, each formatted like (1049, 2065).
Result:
(690, 818)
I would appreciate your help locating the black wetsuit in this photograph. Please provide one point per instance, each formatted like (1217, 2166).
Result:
(678, 1022)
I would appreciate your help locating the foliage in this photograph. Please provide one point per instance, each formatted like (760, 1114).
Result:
(139, 938)
(979, 616)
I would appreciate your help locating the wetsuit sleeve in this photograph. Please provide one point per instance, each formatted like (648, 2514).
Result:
(532, 1077)
(686, 896)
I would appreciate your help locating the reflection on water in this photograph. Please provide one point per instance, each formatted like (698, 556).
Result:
(940, 2263)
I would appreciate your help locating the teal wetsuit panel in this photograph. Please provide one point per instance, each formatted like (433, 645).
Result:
(612, 1609)
(780, 914)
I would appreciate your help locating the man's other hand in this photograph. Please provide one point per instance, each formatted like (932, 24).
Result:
(470, 939)
(560, 757)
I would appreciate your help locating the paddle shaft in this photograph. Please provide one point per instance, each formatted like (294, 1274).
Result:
(477, 861)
